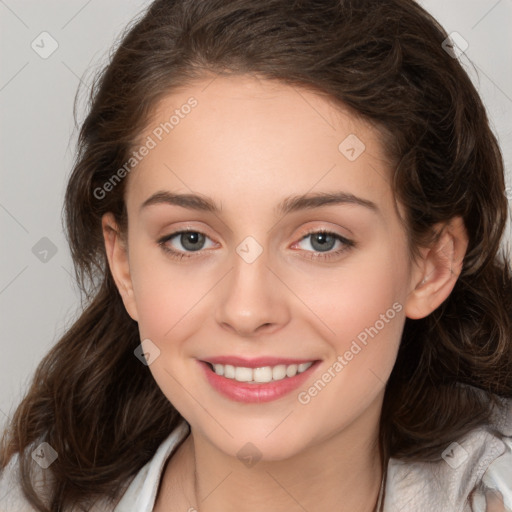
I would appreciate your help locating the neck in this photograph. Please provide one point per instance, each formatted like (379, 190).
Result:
(342, 472)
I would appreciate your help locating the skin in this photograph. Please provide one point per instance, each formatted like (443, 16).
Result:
(494, 501)
(247, 145)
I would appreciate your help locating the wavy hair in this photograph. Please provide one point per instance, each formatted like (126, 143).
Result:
(90, 397)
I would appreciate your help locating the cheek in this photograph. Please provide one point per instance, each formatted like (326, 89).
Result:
(362, 310)
(370, 317)
(168, 300)
(362, 356)
(354, 295)
(369, 306)
(166, 294)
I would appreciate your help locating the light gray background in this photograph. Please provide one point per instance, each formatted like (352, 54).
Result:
(38, 300)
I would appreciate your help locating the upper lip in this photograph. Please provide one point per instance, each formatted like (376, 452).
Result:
(257, 362)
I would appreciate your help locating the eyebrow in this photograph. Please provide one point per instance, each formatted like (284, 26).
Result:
(288, 205)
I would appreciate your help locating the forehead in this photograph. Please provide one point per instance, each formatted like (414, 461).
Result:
(243, 139)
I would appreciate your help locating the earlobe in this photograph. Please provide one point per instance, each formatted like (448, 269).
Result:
(117, 255)
(440, 266)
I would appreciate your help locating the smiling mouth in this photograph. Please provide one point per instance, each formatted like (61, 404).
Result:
(260, 375)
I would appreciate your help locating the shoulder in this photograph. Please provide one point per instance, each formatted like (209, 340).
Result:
(140, 491)
(471, 468)
(495, 485)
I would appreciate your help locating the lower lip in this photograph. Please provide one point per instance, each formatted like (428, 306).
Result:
(255, 393)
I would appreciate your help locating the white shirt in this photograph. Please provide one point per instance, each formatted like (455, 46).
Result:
(480, 461)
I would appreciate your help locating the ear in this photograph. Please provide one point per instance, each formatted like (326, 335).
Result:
(117, 255)
(438, 270)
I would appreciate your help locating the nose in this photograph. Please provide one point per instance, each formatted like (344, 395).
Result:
(251, 299)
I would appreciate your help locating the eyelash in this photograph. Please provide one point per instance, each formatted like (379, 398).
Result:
(347, 245)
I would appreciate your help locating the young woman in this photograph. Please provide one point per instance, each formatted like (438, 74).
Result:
(286, 219)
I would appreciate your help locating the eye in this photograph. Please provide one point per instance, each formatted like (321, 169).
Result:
(322, 241)
(190, 241)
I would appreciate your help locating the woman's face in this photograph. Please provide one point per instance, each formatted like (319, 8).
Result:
(263, 165)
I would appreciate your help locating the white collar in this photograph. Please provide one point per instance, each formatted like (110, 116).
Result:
(141, 493)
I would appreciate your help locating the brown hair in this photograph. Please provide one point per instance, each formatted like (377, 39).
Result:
(94, 402)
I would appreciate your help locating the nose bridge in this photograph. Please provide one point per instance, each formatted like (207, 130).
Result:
(251, 297)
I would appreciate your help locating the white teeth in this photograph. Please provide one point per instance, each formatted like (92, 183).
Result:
(303, 367)
(279, 372)
(291, 370)
(229, 371)
(260, 375)
(243, 374)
